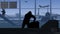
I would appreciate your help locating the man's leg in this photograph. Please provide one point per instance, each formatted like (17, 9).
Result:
(23, 25)
(28, 25)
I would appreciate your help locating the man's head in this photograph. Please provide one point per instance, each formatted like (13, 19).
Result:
(29, 12)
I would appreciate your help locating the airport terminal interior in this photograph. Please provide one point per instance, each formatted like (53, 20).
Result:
(16, 10)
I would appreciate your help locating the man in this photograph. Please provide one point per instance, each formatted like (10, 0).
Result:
(3, 12)
(27, 19)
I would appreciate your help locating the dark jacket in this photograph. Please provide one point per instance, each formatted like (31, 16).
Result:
(27, 18)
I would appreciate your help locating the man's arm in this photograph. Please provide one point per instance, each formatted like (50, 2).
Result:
(34, 17)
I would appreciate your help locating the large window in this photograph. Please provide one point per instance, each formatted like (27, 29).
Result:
(4, 4)
(8, 5)
(12, 4)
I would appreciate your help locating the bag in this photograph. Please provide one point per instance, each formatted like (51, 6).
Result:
(34, 24)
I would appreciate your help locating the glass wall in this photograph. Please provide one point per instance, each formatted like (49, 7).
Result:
(12, 13)
(12, 9)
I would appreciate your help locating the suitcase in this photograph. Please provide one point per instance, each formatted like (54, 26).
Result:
(34, 24)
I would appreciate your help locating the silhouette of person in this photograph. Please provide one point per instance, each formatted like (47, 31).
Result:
(27, 19)
(3, 12)
(47, 14)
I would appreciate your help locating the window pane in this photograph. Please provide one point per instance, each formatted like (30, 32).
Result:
(13, 5)
(4, 4)
(0, 4)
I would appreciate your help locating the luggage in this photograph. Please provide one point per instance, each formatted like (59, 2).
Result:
(50, 26)
(34, 24)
